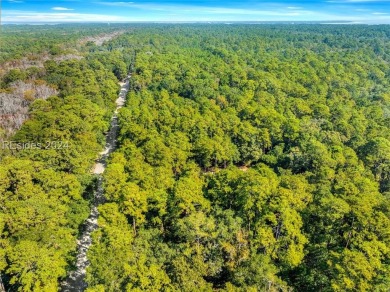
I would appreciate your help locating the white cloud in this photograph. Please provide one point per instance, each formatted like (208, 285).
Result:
(185, 9)
(133, 11)
(18, 16)
(115, 3)
(61, 9)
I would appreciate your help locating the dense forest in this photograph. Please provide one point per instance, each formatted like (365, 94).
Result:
(25, 55)
(25, 41)
(250, 158)
(45, 177)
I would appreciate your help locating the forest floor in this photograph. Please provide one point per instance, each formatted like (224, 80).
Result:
(76, 279)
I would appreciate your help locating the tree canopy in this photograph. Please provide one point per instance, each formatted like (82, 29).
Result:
(250, 158)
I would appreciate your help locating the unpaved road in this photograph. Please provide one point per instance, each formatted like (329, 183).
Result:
(76, 279)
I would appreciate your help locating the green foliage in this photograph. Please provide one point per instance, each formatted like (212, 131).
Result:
(251, 159)
(42, 188)
(14, 75)
(20, 41)
(38, 234)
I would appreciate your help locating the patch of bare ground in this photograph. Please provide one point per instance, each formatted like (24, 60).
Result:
(100, 39)
(211, 171)
(244, 168)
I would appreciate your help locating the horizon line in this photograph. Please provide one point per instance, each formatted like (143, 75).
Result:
(335, 22)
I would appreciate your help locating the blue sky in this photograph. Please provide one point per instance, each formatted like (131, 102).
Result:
(360, 11)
